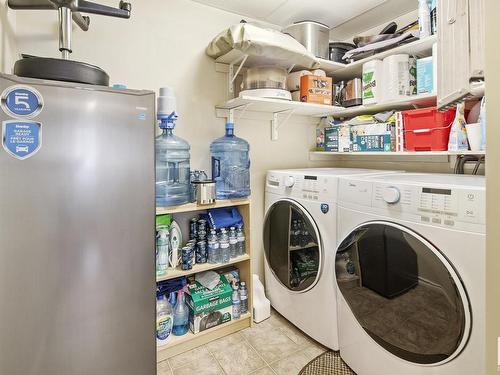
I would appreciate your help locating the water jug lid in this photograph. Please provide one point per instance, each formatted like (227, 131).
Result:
(229, 125)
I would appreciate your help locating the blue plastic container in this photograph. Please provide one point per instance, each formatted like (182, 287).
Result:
(230, 165)
(173, 185)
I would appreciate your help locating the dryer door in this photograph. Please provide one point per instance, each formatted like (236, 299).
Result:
(404, 293)
(292, 246)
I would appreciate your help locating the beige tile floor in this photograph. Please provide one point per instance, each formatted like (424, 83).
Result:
(272, 347)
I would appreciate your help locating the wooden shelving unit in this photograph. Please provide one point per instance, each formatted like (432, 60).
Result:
(180, 344)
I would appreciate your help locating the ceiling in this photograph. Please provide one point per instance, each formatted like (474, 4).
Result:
(284, 12)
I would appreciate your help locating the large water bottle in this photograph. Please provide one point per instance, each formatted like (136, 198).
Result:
(172, 156)
(230, 165)
(225, 252)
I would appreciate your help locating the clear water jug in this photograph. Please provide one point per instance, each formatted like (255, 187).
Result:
(230, 165)
(172, 168)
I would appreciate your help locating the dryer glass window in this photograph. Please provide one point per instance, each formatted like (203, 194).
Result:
(404, 294)
(291, 246)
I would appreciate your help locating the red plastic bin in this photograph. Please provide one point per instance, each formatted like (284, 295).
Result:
(427, 129)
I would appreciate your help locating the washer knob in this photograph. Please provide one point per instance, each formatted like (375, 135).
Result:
(391, 195)
(289, 182)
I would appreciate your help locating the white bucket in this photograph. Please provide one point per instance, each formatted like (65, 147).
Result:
(474, 136)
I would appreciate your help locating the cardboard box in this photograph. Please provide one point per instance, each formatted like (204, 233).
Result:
(209, 308)
(316, 89)
(338, 138)
(373, 137)
(425, 75)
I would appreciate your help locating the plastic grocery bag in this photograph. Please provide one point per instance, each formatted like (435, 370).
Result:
(458, 134)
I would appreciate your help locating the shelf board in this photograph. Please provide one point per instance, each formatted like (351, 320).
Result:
(419, 48)
(410, 102)
(200, 267)
(276, 105)
(400, 153)
(189, 207)
(180, 344)
(235, 56)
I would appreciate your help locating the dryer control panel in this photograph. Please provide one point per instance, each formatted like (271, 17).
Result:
(432, 203)
(302, 186)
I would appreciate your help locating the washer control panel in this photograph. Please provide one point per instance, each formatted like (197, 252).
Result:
(300, 186)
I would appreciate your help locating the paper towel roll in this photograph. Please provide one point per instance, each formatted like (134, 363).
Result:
(372, 81)
(397, 81)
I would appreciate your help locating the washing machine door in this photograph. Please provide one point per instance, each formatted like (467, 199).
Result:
(404, 293)
(292, 246)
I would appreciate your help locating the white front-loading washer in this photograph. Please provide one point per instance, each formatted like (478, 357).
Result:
(300, 238)
(411, 274)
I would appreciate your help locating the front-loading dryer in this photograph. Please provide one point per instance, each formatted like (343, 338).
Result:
(300, 238)
(413, 300)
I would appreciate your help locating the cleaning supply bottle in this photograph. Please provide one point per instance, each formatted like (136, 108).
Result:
(236, 303)
(164, 320)
(173, 185)
(181, 315)
(162, 244)
(424, 19)
(230, 165)
(458, 134)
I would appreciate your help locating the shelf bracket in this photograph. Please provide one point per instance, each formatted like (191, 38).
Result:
(233, 74)
(291, 68)
(276, 124)
(241, 109)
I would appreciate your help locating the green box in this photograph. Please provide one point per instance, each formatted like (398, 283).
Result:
(209, 308)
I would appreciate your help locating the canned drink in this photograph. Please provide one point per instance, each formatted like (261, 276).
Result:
(193, 228)
(202, 229)
(187, 258)
(201, 252)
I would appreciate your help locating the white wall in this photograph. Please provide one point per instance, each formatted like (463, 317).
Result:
(164, 44)
(8, 49)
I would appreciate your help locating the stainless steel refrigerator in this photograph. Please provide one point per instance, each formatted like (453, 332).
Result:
(77, 211)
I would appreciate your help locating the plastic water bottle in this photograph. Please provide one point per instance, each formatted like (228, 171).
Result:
(236, 303)
(233, 242)
(164, 320)
(173, 185)
(240, 235)
(243, 298)
(213, 248)
(230, 165)
(162, 245)
(225, 252)
(181, 315)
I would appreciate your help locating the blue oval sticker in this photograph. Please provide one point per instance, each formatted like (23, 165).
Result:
(21, 101)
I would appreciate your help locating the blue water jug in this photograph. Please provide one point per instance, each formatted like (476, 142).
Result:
(230, 165)
(172, 167)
